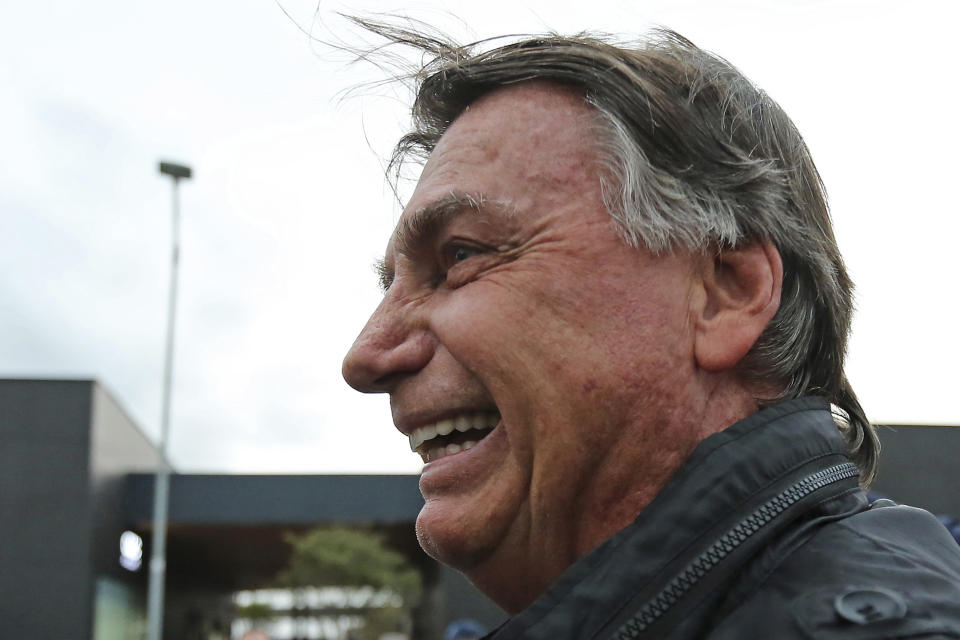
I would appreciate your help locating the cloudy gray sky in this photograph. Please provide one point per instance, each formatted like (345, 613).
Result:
(289, 207)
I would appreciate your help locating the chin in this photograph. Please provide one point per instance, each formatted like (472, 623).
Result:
(451, 541)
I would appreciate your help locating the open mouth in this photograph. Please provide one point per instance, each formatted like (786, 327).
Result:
(453, 435)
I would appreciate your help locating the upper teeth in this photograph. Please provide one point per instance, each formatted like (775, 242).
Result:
(463, 422)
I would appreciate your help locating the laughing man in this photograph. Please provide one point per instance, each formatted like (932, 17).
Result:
(614, 325)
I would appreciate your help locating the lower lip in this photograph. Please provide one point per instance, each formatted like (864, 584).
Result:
(459, 466)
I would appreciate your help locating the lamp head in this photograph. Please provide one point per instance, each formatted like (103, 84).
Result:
(177, 171)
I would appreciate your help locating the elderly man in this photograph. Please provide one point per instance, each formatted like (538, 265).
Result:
(613, 327)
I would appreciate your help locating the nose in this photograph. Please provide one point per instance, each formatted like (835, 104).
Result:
(388, 348)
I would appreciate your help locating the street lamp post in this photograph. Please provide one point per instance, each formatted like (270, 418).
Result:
(161, 485)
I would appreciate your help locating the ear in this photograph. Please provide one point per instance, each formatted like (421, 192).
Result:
(740, 295)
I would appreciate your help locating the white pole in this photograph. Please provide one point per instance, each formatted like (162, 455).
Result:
(161, 486)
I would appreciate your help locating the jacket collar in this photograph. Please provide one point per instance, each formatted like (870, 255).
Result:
(727, 472)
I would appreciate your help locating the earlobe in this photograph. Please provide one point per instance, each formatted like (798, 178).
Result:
(740, 295)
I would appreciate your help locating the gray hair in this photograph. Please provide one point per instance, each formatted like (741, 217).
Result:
(695, 156)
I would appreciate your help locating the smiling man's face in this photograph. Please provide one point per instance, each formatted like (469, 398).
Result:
(558, 358)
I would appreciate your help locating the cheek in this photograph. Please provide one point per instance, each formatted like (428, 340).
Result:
(521, 337)
(485, 325)
(541, 341)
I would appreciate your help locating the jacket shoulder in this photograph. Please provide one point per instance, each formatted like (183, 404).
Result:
(886, 572)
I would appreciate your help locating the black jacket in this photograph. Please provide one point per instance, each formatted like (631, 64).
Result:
(763, 533)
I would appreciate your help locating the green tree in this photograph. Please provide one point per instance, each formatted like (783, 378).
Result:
(256, 611)
(343, 557)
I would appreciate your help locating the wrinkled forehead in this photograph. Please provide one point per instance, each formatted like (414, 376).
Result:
(539, 135)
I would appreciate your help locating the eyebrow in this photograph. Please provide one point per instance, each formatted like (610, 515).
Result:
(412, 231)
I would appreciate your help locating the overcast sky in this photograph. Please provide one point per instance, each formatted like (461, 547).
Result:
(289, 207)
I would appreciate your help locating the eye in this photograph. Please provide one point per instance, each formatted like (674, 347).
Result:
(455, 254)
(461, 253)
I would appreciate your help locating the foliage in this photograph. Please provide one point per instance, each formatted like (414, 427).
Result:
(342, 557)
(339, 556)
(256, 611)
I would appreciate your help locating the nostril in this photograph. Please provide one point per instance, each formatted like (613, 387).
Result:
(387, 382)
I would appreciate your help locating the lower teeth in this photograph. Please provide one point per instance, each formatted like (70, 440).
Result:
(449, 450)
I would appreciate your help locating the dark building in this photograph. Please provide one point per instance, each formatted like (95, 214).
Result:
(66, 449)
(75, 475)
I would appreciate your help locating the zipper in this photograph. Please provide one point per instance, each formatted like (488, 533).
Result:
(690, 575)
